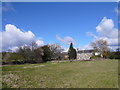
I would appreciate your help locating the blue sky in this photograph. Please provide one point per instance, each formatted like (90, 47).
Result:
(52, 22)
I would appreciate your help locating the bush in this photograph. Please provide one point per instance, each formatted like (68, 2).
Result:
(114, 55)
(95, 57)
(66, 58)
(18, 62)
(92, 57)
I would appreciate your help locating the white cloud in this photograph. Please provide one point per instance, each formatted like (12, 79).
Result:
(91, 34)
(66, 49)
(39, 42)
(106, 31)
(14, 48)
(65, 40)
(13, 37)
(107, 26)
(85, 47)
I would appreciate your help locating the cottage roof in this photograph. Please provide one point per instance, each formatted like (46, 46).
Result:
(85, 51)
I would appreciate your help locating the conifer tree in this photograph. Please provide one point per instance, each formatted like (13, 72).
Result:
(72, 52)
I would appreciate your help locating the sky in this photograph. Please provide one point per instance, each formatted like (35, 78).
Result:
(59, 23)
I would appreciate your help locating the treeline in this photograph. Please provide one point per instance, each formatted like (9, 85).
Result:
(33, 54)
(102, 47)
(37, 54)
(107, 55)
(114, 55)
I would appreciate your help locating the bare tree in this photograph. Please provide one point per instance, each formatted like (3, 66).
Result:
(32, 53)
(33, 45)
(25, 51)
(56, 51)
(38, 54)
(100, 46)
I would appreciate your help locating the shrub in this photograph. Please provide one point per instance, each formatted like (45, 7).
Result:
(66, 59)
(94, 57)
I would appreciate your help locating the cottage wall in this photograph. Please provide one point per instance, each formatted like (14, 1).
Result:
(83, 56)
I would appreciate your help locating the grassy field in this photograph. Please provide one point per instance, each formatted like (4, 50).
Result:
(79, 74)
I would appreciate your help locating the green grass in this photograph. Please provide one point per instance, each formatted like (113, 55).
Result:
(79, 74)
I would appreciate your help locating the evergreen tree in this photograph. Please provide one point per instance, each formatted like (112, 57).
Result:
(47, 53)
(72, 52)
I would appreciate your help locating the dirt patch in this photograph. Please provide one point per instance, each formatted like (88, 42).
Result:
(34, 66)
(10, 79)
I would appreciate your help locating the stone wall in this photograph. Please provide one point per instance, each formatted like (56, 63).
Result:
(83, 56)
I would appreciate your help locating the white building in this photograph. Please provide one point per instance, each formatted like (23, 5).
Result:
(85, 54)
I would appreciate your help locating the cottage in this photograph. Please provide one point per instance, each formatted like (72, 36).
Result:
(82, 54)
(85, 54)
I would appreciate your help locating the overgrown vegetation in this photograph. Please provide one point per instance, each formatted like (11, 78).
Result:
(33, 54)
(37, 54)
(101, 46)
(79, 74)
